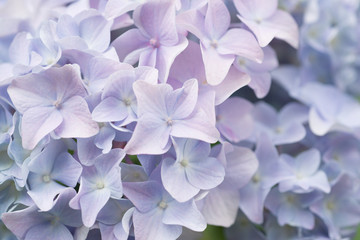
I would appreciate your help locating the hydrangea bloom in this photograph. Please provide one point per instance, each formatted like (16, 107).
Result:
(58, 105)
(140, 119)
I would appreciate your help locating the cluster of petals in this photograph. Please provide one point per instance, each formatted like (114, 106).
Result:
(132, 119)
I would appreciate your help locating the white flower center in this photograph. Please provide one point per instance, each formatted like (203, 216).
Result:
(279, 130)
(242, 62)
(169, 121)
(127, 102)
(46, 178)
(100, 185)
(184, 162)
(162, 204)
(214, 44)
(299, 176)
(330, 205)
(57, 103)
(256, 178)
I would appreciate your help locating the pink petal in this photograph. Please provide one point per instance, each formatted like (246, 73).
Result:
(110, 109)
(221, 207)
(129, 45)
(260, 83)
(77, 119)
(233, 81)
(234, 119)
(216, 65)
(36, 123)
(256, 9)
(245, 45)
(192, 21)
(91, 203)
(156, 19)
(285, 26)
(182, 101)
(151, 136)
(217, 19)
(280, 25)
(197, 126)
(166, 56)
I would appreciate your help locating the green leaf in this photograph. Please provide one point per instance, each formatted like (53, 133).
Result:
(357, 236)
(134, 159)
(213, 233)
(61, 183)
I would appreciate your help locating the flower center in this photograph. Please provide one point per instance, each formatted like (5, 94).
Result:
(290, 199)
(336, 157)
(279, 130)
(154, 43)
(184, 162)
(127, 102)
(330, 205)
(100, 185)
(162, 204)
(57, 103)
(256, 178)
(55, 220)
(242, 62)
(169, 121)
(46, 178)
(214, 44)
(299, 176)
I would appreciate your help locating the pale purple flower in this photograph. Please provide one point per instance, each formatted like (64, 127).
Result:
(192, 170)
(234, 119)
(268, 22)
(57, 106)
(113, 219)
(259, 72)
(96, 70)
(283, 127)
(344, 154)
(28, 54)
(158, 215)
(155, 42)
(118, 102)
(30, 223)
(330, 109)
(99, 183)
(306, 174)
(292, 209)
(339, 209)
(164, 112)
(270, 172)
(53, 168)
(189, 64)
(116, 8)
(220, 205)
(88, 31)
(217, 45)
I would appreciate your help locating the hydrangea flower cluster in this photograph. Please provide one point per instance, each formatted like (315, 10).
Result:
(151, 119)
